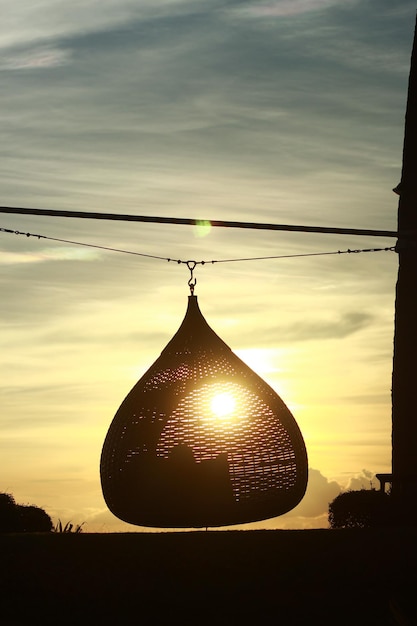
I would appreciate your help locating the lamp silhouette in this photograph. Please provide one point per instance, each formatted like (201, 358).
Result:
(202, 440)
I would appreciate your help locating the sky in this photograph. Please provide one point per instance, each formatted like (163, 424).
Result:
(287, 112)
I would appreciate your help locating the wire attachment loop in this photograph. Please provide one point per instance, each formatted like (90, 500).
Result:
(193, 281)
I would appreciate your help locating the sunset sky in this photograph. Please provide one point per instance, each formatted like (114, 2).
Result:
(285, 111)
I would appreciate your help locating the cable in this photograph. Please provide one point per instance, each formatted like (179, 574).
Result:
(306, 254)
(197, 222)
(190, 263)
(86, 245)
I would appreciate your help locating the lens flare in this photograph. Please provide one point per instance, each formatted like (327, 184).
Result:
(202, 228)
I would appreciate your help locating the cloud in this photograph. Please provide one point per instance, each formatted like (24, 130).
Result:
(363, 480)
(13, 258)
(373, 399)
(58, 281)
(51, 19)
(49, 254)
(280, 8)
(35, 58)
(347, 324)
(320, 491)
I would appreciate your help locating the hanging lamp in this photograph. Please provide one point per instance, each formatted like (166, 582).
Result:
(201, 440)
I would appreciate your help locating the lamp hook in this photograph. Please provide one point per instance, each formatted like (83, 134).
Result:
(193, 281)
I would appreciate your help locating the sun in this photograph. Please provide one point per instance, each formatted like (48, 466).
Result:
(223, 404)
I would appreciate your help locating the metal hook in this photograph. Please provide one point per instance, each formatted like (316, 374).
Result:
(193, 281)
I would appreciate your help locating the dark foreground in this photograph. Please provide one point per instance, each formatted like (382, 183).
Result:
(316, 577)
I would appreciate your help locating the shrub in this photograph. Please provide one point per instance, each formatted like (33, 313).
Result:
(19, 518)
(8, 513)
(366, 508)
(33, 519)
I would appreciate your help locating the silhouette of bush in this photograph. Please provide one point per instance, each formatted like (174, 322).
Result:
(8, 513)
(366, 508)
(33, 519)
(19, 518)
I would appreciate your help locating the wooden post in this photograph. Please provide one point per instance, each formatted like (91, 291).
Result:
(404, 377)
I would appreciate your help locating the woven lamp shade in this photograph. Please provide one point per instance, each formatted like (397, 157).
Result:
(201, 440)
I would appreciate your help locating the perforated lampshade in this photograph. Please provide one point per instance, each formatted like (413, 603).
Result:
(201, 440)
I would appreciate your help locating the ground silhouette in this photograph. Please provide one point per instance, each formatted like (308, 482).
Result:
(338, 577)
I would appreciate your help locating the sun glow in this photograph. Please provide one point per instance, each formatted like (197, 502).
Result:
(223, 404)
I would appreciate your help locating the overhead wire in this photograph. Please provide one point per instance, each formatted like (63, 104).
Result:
(369, 232)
